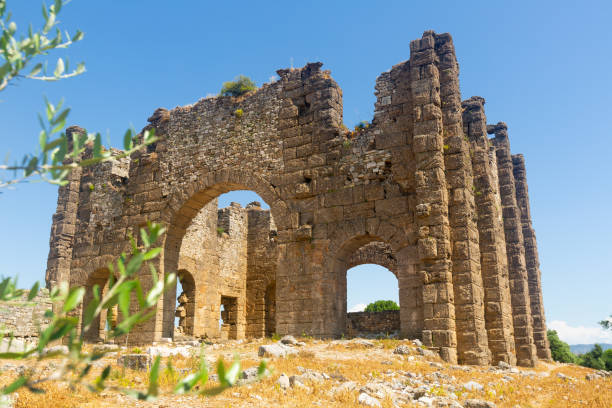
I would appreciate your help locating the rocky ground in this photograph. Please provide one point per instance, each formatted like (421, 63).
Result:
(314, 373)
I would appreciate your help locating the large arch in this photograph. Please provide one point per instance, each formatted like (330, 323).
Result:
(179, 214)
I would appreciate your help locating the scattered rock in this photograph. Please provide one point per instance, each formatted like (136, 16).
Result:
(402, 349)
(167, 351)
(473, 386)
(8, 401)
(426, 353)
(427, 401)
(363, 342)
(344, 387)
(289, 340)
(503, 365)
(275, 350)
(135, 361)
(283, 381)
(105, 348)
(365, 399)
(417, 342)
(249, 373)
(476, 403)
(60, 349)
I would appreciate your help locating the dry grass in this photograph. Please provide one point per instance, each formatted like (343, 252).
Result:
(540, 389)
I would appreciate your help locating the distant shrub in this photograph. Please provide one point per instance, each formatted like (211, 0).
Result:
(239, 86)
(593, 359)
(362, 125)
(381, 306)
(559, 350)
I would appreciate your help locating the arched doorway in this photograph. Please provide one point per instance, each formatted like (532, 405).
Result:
(399, 265)
(228, 246)
(186, 301)
(99, 281)
(372, 284)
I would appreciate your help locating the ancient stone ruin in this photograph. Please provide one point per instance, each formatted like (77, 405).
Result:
(422, 191)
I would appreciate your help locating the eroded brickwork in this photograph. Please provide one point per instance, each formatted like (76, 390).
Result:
(22, 318)
(420, 191)
(373, 323)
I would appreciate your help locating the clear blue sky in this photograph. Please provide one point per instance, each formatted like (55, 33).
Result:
(543, 67)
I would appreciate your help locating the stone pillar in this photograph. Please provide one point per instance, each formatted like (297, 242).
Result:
(534, 275)
(434, 245)
(64, 224)
(472, 347)
(515, 249)
(493, 260)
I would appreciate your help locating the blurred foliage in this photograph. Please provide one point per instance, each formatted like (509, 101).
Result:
(23, 57)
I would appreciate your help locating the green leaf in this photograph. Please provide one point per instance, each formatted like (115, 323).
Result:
(37, 68)
(33, 291)
(90, 311)
(261, 370)
(145, 237)
(15, 385)
(42, 140)
(134, 264)
(232, 374)
(154, 294)
(74, 298)
(128, 142)
(153, 377)
(152, 253)
(124, 302)
(59, 68)
(50, 22)
(78, 36)
(60, 120)
(97, 148)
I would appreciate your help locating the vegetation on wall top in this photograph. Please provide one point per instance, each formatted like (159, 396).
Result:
(239, 86)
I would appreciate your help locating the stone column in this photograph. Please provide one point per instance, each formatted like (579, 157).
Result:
(531, 258)
(64, 224)
(515, 249)
(434, 247)
(472, 347)
(493, 260)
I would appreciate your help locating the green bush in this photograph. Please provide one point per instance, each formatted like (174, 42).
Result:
(559, 349)
(607, 358)
(593, 359)
(239, 86)
(381, 306)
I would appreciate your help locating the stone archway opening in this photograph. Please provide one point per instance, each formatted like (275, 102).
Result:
(366, 284)
(185, 305)
(99, 281)
(223, 244)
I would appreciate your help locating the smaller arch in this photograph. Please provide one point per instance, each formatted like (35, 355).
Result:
(98, 330)
(376, 252)
(186, 307)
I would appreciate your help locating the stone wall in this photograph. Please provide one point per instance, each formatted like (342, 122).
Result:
(421, 190)
(23, 318)
(372, 323)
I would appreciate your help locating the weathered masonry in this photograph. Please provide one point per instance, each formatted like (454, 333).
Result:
(422, 191)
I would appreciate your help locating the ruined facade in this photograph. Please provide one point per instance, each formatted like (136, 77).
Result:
(422, 191)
